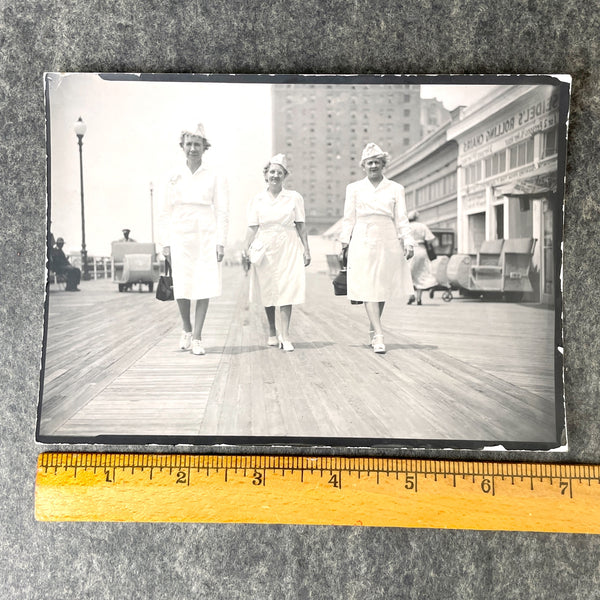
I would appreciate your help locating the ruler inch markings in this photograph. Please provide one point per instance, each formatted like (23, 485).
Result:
(318, 490)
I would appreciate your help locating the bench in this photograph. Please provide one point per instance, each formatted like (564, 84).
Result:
(486, 272)
(510, 275)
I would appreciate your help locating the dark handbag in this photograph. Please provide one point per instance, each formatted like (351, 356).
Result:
(339, 283)
(164, 289)
(431, 255)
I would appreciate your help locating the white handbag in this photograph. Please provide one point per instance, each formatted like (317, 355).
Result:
(256, 251)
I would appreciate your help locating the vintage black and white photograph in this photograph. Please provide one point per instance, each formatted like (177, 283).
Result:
(323, 260)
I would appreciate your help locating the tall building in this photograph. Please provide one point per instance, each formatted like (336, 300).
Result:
(322, 129)
(433, 115)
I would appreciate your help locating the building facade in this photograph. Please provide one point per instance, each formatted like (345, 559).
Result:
(507, 174)
(428, 173)
(323, 128)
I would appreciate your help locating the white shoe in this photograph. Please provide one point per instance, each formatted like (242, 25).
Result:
(272, 341)
(378, 345)
(198, 348)
(185, 341)
(286, 346)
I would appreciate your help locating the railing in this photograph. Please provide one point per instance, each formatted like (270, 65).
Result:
(99, 267)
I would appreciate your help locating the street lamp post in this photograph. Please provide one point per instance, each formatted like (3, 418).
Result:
(80, 129)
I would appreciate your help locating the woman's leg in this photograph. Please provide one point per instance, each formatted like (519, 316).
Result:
(201, 308)
(419, 295)
(286, 315)
(183, 304)
(270, 311)
(374, 311)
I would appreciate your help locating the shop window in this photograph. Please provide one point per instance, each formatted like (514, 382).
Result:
(449, 184)
(550, 142)
(422, 196)
(521, 154)
(473, 172)
(495, 164)
(476, 232)
(499, 208)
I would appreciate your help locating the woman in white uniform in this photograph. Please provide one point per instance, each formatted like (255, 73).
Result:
(374, 221)
(277, 246)
(420, 265)
(194, 221)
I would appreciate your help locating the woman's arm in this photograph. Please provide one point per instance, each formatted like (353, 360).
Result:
(164, 216)
(403, 225)
(301, 229)
(221, 204)
(349, 218)
(250, 235)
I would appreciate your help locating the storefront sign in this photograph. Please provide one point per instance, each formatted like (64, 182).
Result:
(474, 203)
(538, 116)
(538, 170)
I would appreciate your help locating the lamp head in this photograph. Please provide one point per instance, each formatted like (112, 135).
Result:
(80, 127)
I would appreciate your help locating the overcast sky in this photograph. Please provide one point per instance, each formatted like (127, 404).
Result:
(132, 141)
(452, 96)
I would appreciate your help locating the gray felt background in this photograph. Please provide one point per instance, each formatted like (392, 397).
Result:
(103, 560)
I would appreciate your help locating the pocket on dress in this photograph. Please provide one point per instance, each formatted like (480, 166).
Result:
(256, 251)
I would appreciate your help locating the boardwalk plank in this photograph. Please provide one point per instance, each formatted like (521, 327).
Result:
(464, 370)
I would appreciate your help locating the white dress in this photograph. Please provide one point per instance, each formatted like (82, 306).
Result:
(420, 265)
(374, 220)
(279, 278)
(193, 221)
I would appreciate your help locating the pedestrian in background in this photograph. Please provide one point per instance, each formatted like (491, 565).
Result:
(374, 222)
(420, 265)
(194, 218)
(277, 247)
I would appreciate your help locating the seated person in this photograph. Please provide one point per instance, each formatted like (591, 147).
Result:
(61, 266)
(126, 237)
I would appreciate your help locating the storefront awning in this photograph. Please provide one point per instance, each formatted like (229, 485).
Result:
(540, 186)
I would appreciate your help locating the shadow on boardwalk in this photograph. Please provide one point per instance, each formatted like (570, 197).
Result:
(460, 371)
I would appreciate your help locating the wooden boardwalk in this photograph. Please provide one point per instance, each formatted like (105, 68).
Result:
(464, 370)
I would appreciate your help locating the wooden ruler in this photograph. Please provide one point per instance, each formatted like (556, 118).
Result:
(318, 490)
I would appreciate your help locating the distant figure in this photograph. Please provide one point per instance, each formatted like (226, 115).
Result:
(126, 237)
(277, 232)
(378, 241)
(62, 266)
(420, 265)
(194, 218)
